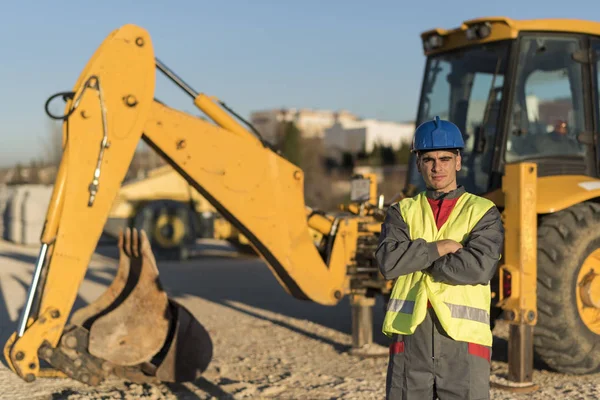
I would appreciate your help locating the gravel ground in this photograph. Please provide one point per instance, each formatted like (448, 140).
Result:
(283, 348)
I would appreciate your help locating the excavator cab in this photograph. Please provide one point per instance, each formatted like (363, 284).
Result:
(507, 95)
(525, 96)
(466, 88)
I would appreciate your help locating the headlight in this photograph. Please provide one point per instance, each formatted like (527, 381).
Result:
(433, 42)
(479, 31)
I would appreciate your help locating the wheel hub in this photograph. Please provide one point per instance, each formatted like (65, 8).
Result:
(169, 231)
(589, 290)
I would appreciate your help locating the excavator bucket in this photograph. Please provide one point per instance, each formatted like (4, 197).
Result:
(133, 330)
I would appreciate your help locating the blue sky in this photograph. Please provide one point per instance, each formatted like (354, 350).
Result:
(362, 56)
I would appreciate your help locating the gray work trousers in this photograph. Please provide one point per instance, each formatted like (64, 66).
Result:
(430, 365)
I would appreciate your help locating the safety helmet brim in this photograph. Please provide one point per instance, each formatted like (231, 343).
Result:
(441, 148)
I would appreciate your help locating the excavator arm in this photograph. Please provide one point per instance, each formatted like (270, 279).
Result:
(112, 107)
(259, 192)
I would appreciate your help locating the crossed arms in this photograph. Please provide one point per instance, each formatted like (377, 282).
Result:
(446, 261)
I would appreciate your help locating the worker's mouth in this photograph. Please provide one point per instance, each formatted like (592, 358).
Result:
(438, 178)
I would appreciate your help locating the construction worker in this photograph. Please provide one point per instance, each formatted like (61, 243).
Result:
(442, 247)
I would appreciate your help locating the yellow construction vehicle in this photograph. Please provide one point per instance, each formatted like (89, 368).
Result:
(134, 330)
(171, 211)
(484, 76)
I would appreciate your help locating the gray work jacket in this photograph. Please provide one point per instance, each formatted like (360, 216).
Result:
(475, 263)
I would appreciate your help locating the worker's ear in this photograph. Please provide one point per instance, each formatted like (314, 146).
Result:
(458, 161)
(418, 162)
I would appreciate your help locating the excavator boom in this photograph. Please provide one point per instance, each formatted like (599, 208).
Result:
(258, 191)
(111, 108)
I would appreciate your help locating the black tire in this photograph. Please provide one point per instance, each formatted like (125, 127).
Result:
(147, 217)
(561, 338)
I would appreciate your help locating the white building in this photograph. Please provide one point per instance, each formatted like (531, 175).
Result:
(311, 123)
(363, 135)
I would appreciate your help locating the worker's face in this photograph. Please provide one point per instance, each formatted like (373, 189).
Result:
(438, 169)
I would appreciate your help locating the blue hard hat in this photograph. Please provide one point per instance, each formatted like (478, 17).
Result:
(437, 135)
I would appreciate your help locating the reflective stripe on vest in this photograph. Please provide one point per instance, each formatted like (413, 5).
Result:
(456, 310)
(463, 310)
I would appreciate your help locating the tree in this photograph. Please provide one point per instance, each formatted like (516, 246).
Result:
(403, 154)
(347, 161)
(375, 155)
(388, 156)
(318, 184)
(52, 143)
(18, 177)
(35, 175)
(291, 143)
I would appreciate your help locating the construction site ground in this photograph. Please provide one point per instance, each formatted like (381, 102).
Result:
(267, 344)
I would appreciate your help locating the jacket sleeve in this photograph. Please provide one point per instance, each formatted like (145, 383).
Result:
(477, 261)
(396, 254)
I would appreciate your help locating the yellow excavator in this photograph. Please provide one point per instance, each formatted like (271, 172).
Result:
(172, 212)
(134, 330)
(524, 93)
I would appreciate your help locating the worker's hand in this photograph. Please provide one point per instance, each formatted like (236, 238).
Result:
(448, 246)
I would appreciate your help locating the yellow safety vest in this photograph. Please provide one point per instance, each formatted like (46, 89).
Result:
(463, 310)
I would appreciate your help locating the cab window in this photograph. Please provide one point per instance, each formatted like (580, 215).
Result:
(547, 113)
